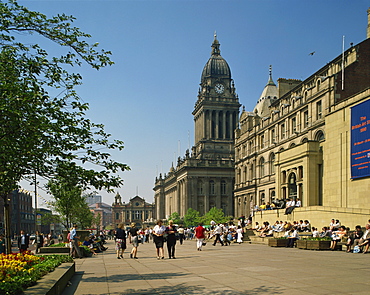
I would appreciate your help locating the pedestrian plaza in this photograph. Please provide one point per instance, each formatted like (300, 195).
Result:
(235, 269)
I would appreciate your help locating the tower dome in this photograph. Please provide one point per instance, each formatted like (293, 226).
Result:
(269, 95)
(216, 66)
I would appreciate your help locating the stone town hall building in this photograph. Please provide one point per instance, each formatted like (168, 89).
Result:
(310, 139)
(205, 178)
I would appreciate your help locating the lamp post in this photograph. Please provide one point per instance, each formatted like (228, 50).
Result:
(35, 182)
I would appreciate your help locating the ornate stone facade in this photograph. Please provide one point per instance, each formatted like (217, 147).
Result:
(136, 210)
(297, 143)
(205, 178)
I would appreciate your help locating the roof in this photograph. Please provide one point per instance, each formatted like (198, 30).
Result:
(216, 66)
(269, 95)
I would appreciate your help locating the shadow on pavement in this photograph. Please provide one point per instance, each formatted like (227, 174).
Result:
(132, 277)
(183, 289)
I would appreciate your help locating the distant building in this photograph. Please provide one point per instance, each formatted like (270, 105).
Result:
(105, 212)
(21, 212)
(93, 198)
(136, 210)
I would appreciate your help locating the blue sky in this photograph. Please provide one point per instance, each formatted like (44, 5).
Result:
(160, 48)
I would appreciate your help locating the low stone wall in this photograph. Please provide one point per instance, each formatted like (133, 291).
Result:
(53, 283)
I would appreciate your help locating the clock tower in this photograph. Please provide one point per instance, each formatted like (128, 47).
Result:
(205, 177)
(216, 110)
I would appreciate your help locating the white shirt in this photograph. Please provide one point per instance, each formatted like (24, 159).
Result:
(159, 230)
(218, 230)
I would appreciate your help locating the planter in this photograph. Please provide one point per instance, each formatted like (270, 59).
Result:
(302, 244)
(318, 245)
(278, 242)
(53, 282)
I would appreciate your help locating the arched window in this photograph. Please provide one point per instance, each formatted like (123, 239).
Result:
(211, 187)
(262, 167)
(272, 162)
(320, 136)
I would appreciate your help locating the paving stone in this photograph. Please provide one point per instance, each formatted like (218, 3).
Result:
(237, 269)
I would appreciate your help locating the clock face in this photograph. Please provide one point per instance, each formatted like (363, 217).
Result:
(219, 88)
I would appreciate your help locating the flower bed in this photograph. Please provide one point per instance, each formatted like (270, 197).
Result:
(19, 271)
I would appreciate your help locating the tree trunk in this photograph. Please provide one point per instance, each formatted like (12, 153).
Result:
(8, 241)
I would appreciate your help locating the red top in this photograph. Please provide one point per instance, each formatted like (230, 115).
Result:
(199, 232)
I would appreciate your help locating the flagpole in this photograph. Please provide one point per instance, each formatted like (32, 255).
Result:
(343, 63)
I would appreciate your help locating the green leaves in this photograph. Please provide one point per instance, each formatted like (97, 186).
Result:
(41, 133)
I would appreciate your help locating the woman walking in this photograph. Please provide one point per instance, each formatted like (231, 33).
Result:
(134, 240)
(158, 232)
(171, 239)
(120, 241)
(199, 234)
(239, 234)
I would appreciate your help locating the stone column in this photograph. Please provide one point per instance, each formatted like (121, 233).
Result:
(218, 192)
(217, 125)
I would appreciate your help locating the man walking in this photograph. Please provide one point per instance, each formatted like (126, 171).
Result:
(23, 242)
(75, 249)
(218, 231)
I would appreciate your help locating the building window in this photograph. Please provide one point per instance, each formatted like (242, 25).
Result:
(262, 198)
(272, 161)
(211, 187)
(318, 110)
(262, 167)
(305, 119)
(200, 188)
(283, 178)
(282, 130)
(262, 141)
(300, 172)
(223, 187)
(292, 186)
(272, 196)
(272, 136)
(138, 215)
(294, 125)
(117, 215)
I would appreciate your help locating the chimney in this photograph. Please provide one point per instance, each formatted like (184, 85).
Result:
(368, 24)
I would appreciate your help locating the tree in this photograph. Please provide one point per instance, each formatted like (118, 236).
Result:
(97, 221)
(214, 214)
(176, 218)
(69, 203)
(192, 217)
(40, 132)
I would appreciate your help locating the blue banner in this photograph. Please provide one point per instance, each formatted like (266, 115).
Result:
(360, 140)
